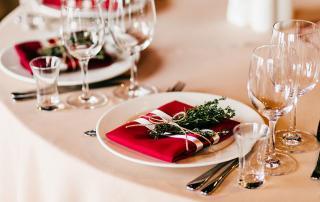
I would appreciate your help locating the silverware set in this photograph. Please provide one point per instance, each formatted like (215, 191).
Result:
(32, 94)
(210, 181)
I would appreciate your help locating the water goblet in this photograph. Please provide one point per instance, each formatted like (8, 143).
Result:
(83, 36)
(271, 85)
(303, 37)
(131, 25)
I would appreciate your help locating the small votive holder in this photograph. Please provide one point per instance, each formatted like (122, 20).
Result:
(252, 139)
(45, 71)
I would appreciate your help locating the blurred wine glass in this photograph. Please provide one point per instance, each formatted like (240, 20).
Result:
(131, 25)
(271, 85)
(303, 37)
(83, 36)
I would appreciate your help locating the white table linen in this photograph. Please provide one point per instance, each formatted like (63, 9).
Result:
(45, 158)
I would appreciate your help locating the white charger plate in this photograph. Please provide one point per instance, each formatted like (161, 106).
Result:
(10, 64)
(125, 111)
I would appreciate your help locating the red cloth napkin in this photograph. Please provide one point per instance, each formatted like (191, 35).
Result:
(52, 3)
(30, 50)
(168, 149)
(57, 3)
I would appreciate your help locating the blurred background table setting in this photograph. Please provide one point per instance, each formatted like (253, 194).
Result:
(92, 108)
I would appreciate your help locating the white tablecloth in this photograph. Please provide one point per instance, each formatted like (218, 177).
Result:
(45, 157)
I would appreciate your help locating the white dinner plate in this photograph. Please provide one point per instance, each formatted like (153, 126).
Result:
(10, 64)
(125, 111)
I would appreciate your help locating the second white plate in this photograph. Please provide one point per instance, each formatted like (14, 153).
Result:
(9, 63)
(123, 112)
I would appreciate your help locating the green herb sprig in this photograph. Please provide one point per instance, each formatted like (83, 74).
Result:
(197, 118)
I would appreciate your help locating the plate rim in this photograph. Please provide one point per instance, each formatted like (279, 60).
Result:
(25, 79)
(156, 164)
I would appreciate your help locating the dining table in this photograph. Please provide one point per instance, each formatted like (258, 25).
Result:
(45, 156)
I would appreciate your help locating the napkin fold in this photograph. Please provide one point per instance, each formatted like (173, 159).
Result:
(29, 50)
(52, 3)
(57, 3)
(166, 148)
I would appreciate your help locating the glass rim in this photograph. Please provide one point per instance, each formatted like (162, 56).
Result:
(296, 20)
(256, 55)
(249, 124)
(45, 57)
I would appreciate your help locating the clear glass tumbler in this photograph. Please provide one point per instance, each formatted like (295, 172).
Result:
(252, 140)
(45, 73)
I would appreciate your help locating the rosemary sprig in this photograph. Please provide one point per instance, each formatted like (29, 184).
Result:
(196, 119)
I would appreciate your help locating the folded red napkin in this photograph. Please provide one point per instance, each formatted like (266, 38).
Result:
(53, 47)
(52, 3)
(166, 148)
(57, 3)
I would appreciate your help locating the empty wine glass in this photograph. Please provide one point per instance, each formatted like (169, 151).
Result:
(303, 37)
(83, 36)
(131, 25)
(271, 85)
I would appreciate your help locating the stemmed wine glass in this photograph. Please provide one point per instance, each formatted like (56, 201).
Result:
(83, 36)
(131, 25)
(271, 85)
(303, 37)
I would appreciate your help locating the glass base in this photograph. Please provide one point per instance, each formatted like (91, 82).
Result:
(124, 93)
(251, 181)
(280, 164)
(296, 141)
(51, 106)
(94, 101)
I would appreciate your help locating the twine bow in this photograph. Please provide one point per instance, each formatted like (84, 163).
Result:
(155, 120)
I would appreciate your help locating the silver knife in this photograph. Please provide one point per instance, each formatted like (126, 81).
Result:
(217, 181)
(202, 179)
(316, 172)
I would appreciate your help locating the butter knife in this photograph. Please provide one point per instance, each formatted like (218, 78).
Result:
(316, 172)
(318, 132)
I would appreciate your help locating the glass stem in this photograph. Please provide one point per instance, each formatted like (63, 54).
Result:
(133, 75)
(271, 144)
(293, 116)
(85, 86)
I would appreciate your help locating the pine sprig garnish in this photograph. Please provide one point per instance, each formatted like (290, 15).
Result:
(196, 119)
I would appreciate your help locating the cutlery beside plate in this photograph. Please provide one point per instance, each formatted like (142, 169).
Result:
(316, 172)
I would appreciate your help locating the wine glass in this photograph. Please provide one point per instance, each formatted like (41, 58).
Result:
(83, 36)
(131, 25)
(271, 85)
(303, 37)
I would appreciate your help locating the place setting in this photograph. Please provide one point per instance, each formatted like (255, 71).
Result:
(86, 43)
(185, 129)
(99, 46)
